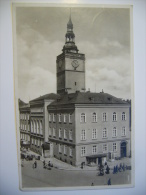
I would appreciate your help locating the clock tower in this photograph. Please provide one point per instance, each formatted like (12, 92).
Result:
(70, 65)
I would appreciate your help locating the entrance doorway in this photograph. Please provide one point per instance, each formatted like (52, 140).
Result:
(123, 149)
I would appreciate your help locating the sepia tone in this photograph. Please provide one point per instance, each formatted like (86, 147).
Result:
(73, 89)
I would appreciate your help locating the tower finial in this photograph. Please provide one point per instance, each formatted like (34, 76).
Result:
(70, 13)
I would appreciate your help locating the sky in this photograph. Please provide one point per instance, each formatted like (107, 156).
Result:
(102, 34)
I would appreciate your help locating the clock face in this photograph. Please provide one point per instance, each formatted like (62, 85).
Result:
(75, 64)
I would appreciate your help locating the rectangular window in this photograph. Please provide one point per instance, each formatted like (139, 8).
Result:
(65, 150)
(104, 133)
(38, 143)
(60, 148)
(70, 151)
(70, 134)
(54, 117)
(50, 118)
(54, 132)
(114, 116)
(65, 134)
(65, 118)
(104, 116)
(70, 118)
(123, 131)
(114, 132)
(83, 151)
(94, 149)
(60, 133)
(114, 147)
(50, 131)
(104, 147)
(94, 133)
(59, 118)
(83, 134)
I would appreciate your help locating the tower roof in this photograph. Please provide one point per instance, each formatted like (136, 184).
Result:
(70, 38)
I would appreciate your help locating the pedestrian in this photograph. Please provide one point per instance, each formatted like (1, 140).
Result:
(109, 182)
(35, 164)
(107, 169)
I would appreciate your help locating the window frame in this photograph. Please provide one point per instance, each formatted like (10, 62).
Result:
(104, 130)
(70, 134)
(60, 133)
(114, 147)
(105, 145)
(70, 118)
(83, 118)
(94, 134)
(83, 135)
(104, 117)
(83, 151)
(123, 128)
(114, 116)
(94, 149)
(114, 132)
(94, 117)
(123, 117)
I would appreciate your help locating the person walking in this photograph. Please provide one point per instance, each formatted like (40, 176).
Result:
(109, 182)
(35, 164)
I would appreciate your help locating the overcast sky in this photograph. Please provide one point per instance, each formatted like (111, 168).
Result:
(102, 34)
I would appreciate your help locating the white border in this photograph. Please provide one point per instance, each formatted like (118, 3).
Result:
(8, 159)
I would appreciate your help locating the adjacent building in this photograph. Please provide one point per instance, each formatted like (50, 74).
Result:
(24, 116)
(39, 122)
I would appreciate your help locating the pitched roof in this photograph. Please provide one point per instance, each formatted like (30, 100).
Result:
(88, 98)
(51, 96)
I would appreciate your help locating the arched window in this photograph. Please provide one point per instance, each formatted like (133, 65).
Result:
(94, 117)
(123, 131)
(37, 127)
(83, 118)
(114, 132)
(123, 116)
(114, 116)
(34, 126)
(41, 127)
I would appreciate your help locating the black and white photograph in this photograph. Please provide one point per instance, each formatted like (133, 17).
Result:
(74, 95)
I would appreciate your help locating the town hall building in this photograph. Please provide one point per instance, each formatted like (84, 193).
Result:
(80, 127)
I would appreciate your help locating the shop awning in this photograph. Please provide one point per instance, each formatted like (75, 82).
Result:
(46, 146)
(96, 156)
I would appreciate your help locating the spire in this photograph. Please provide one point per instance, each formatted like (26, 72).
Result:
(70, 38)
(69, 24)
